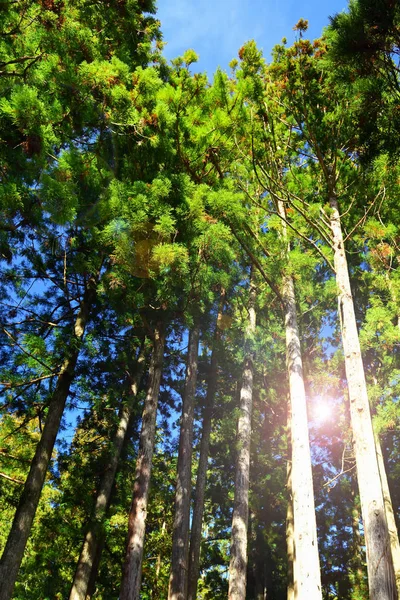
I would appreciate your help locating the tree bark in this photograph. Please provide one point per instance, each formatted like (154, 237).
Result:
(198, 509)
(357, 547)
(306, 567)
(132, 570)
(240, 519)
(180, 536)
(93, 537)
(289, 520)
(379, 561)
(23, 519)
(391, 523)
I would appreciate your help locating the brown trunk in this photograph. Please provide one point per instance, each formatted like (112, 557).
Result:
(21, 527)
(198, 510)
(180, 537)
(93, 537)
(132, 570)
(379, 561)
(306, 568)
(240, 519)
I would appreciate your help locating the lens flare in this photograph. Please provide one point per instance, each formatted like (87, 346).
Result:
(322, 411)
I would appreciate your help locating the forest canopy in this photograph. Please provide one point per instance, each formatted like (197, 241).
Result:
(199, 309)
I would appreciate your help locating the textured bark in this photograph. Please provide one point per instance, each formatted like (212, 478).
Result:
(391, 523)
(21, 527)
(379, 561)
(132, 570)
(94, 534)
(198, 509)
(240, 519)
(306, 567)
(180, 536)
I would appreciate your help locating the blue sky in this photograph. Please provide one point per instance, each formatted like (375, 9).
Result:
(216, 29)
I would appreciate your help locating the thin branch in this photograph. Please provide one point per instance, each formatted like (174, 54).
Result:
(13, 479)
(8, 385)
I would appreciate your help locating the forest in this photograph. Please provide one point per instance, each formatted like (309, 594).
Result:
(199, 310)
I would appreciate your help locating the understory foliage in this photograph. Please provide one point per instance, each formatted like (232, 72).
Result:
(163, 186)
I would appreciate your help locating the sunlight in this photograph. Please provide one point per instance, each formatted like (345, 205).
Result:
(322, 411)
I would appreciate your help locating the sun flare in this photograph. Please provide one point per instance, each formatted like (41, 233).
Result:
(322, 411)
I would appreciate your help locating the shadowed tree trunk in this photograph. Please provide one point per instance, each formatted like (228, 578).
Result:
(198, 508)
(379, 560)
(180, 537)
(21, 527)
(94, 534)
(132, 570)
(238, 561)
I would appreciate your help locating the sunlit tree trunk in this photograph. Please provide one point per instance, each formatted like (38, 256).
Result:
(394, 537)
(289, 518)
(132, 570)
(306, 567)
(180, 537)
(198, 508)
(238, 561)
(379, 561)
(93, 537)
(21, 527)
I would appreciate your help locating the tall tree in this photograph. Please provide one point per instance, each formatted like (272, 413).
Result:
(198, 507)
(94, 534)
(18, 536)
(238, 561)
(132, 571)
(180, 537)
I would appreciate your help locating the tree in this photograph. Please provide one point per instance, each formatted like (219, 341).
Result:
(238, 561)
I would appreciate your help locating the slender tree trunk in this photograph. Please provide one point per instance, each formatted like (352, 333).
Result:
(21, 527)
(394, 537)
(240, 519)
(132, 570)
(180, 537)
(289, 520)
(198, 509)
(306, 567)
(379, 561)
(93, 537)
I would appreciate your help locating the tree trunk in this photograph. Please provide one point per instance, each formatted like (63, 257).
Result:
(132, 570)
(289, 520)
(92, 541)
(391, 523)
(180, 537)
(21, 527)
(306, 567)
(379, 561)
(240, 519)
(198, 509)
(356, 562)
